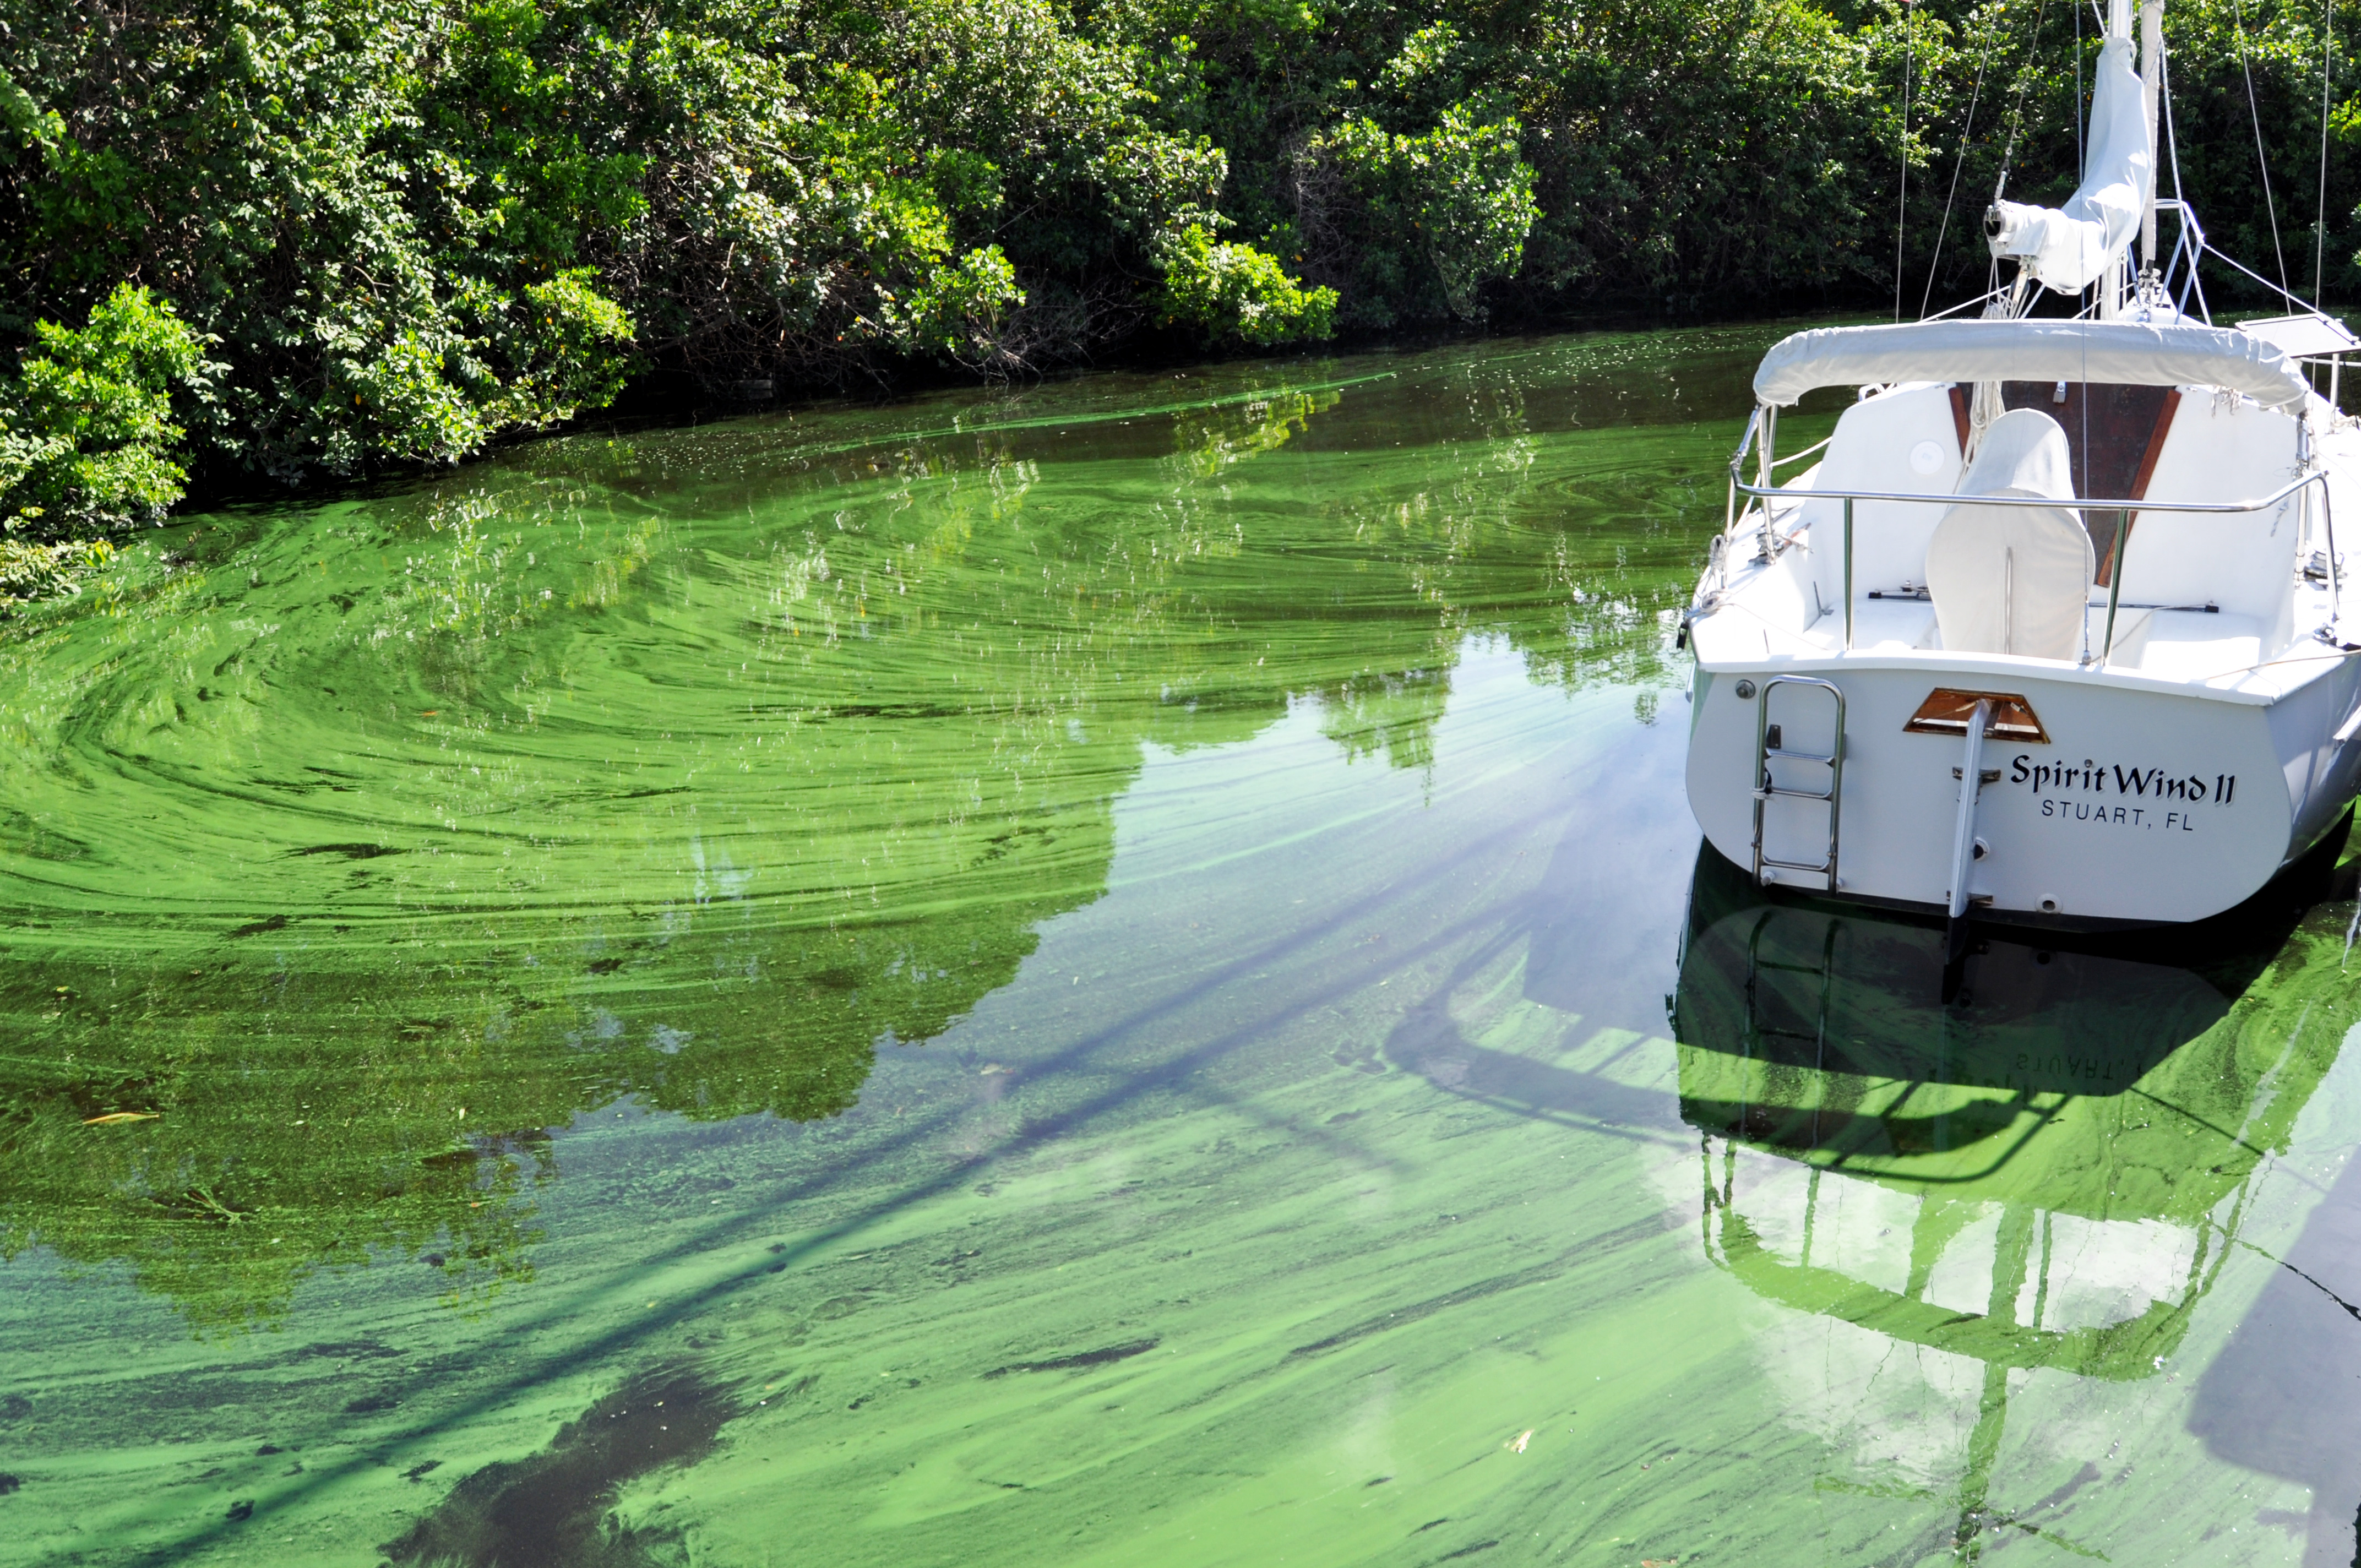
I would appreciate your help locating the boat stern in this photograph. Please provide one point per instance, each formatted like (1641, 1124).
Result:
(2094, 801)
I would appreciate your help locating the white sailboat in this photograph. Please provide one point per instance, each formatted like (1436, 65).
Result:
(2049, 630)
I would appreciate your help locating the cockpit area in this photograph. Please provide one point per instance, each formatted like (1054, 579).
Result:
(1955, 513)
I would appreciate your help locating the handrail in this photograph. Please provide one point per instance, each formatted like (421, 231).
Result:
(1777, 492)
(1769, 493)
(1753, 423)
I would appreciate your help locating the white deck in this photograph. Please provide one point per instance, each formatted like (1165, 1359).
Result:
(2220, 655)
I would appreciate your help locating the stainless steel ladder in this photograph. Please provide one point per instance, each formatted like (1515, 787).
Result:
(1767, 788)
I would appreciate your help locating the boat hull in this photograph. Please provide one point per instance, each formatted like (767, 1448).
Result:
(2141, 805)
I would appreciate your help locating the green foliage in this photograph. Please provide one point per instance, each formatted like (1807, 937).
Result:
(1708, 152)
(564, 349)
(960, 311)
(30, 571)
(1236, 293)
(27, 124)
(1457, 200)
(411, 227)
(86, 432)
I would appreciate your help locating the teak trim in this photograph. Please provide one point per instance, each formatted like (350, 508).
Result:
(1948, 710)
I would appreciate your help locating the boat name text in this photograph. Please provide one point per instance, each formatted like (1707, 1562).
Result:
(2154, 783)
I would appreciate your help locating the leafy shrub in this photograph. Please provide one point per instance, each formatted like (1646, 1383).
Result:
(564, 348)
(30, 571)
(87, 441)
(961, 311)
(1456, 199)
(1235, 293)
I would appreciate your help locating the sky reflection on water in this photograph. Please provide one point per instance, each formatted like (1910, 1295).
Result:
(1116, 976)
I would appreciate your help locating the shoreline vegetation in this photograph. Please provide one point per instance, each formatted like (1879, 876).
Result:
(247, 243)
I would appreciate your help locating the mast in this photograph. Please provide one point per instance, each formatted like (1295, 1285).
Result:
(2111, 283)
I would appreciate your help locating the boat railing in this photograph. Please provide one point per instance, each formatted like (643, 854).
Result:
(1763, 492)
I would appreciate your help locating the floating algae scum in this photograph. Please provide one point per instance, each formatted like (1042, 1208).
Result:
(1116, 976)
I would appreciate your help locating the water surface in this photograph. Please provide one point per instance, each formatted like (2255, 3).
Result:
(1114, 975)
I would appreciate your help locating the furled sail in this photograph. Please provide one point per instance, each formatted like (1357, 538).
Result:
(2068, 248)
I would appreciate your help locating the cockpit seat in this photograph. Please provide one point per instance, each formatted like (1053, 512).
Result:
(2013, 579)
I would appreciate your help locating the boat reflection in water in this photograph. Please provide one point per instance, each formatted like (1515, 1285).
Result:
(2044, 1173)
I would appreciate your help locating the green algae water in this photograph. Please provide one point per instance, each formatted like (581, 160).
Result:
(1116, 975)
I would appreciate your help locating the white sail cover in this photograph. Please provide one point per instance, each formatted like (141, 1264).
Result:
(2067, 247)
(2119, 353)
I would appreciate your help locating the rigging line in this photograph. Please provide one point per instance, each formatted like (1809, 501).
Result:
(2171, 137)
(1987, 297)
(1902, 208)
(2180, 200)
(2293, 299)
(2017, 116)
(2262, 159)
(2081, 481)
(2319, 220)
(1967, 134)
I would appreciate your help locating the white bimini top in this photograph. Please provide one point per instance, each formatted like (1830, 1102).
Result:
(2136, 354)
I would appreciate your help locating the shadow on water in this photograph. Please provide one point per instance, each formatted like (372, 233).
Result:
(553, 1510)
(2047, 1172)
(2277, 1399)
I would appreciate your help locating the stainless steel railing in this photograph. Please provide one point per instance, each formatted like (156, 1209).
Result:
(1762, 491)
